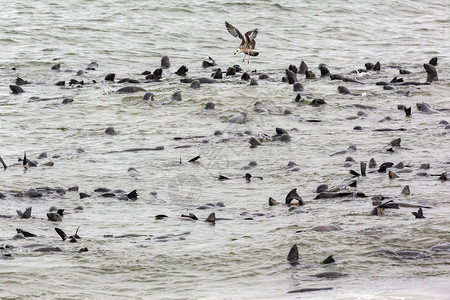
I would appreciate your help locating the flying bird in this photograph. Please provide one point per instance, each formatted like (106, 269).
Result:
(248, 41)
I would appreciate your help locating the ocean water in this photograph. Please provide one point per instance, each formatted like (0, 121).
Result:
(243, 257)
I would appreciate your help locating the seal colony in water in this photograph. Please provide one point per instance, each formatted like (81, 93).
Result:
(248, 41)
(342, 193)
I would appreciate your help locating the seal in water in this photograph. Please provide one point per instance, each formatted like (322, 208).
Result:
(15, 89)
(324, 228)
(64, 237)
(165, 62)
(426, 108)
(303, 68)
(292, 195)
(130, 89)
(238, 119)
(343, 90)
(432, 73)
(304, 290)
(329, 275)
(248, 41)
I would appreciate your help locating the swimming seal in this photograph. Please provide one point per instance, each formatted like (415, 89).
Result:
(292, 195)
(324, 71)
(110, 131)
(431, 73)
(253, 81)
(195, 85)
(323, 228)
(291, 78)
(130, 89)
(110, 77)
(15, 89)
(298, 87)
(165, 62)
(330, 275)
(201, 80)
(343, 90)
(303, 68)
(304, 290)
(209, 105)
(217, 74)
(426, 108)
(238, 119)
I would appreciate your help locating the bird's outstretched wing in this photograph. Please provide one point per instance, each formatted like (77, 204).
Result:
(251, 35)
(234, 31)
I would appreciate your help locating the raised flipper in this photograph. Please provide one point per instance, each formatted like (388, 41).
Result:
(24, 162)
(132, 195)
(418, 214)
(294, 196)
(26, 214)
(293, 255)
(194, 159)
(61, 233)
(329, 260)
(3, 163)
(211, 218)
(76, 234)
(25, 233)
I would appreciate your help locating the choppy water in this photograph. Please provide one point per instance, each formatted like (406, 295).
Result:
(235, 258)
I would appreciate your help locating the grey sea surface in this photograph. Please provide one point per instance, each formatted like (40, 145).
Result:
(243, 257)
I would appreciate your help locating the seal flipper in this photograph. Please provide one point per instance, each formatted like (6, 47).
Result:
(329, 260)
(363, 168)
(418, 214)
(61, 233)
(132, 195)
(76, 234)
(211, 218)
(294, 196)
(408, 111)
(354, 173)
(24, 162)
(25, 233)
(293, 255)
(272, 201)
(26, 214)
(3, 163)
(194, 159)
